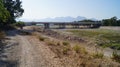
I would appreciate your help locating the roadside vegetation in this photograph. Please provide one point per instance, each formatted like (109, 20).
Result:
(116, 57)
(75, 55)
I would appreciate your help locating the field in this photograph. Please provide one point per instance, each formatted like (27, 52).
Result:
(102, 37)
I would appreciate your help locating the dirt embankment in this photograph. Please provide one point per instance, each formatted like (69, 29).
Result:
(72, 58)
(58, 35)
(10, 51)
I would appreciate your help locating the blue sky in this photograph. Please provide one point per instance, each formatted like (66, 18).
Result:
(99, 9)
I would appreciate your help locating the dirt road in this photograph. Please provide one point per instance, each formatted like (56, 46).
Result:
(27, 51)
(36, 54)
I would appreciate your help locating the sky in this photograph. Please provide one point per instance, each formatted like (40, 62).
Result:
(99, 9)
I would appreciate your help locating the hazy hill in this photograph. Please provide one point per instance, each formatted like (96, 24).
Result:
(58, 19)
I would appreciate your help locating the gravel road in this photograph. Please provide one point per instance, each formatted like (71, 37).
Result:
(27, 51)
(36, 54)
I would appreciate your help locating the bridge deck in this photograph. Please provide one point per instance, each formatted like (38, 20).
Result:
(63, 24)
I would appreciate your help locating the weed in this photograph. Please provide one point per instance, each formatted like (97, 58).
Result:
(98, 55)
(116, 56)
(41, 38)
(104, 38)
(66, 43)
(65, 50)
(50, 43)
(77, 48)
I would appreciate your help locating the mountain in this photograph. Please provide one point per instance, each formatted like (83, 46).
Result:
(58, 19)
(63, 19)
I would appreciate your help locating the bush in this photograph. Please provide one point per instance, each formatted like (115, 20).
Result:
(116, 56)
(20, 24)
(66, 43)
(41, 38)
(77, 48)
(65, 50)
(98, 55)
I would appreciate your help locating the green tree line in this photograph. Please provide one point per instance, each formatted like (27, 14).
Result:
(111, 22)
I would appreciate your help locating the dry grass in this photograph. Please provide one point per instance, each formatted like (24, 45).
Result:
(79, 49)
(65, 50)
(65, 43)
(39, 36)
(50, 43)
(76, 56)
(98, 55)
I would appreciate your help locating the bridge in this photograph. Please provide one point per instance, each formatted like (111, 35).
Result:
(63, 25)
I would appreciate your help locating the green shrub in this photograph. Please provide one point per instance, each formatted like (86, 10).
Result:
(77, 48)
(20, 24)
(65, 50)
(98, 55)
(116, 56)
(66, 43)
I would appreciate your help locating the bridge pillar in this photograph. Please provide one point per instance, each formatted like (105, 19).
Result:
(46, 25)
(62, 26)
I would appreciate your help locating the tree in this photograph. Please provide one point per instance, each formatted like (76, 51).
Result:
(111, 22)
(15, 9)
(4, 14)
(118, 22)
(20, 24)
(106, 22)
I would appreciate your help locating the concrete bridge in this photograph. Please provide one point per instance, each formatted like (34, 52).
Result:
(63, 25)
